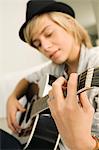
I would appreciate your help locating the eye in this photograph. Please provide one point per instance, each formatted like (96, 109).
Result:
(48, 34)
(37, 44)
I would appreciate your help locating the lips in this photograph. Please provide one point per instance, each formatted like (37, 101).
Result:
(53, 54)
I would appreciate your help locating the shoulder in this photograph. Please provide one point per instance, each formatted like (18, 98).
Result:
(93, 51)
(93, 57)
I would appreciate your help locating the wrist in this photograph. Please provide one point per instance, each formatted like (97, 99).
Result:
(93, 144)
(97, 143)
(90, 144)
(86, 144)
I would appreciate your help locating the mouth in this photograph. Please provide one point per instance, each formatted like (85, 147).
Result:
(53, 55)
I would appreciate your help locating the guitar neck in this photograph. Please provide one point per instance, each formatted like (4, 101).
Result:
(86, 80)
(39, 105)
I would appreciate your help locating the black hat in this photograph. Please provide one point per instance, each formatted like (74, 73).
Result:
(36, 7)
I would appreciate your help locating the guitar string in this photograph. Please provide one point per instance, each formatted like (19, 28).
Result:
(95, 71)
(83, 75)
(94, 82)
(40, 104)
(81, 80)
(88, 70)
(95, 77)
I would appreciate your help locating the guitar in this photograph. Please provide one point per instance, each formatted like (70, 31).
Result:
(38, 108)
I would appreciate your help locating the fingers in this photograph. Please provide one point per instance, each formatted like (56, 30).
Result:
(85, 102)
(10, 125)
(57, 88)
(72, 89)
(12, 122)
(56, 97)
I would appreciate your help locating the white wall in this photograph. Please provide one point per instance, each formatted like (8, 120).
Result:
(16, 57)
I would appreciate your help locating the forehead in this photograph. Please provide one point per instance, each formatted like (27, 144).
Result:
(41, 22)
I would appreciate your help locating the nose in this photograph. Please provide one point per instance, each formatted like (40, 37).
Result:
(46, 45)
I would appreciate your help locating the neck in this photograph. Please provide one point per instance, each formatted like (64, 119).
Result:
(74, 60)
(71, 70)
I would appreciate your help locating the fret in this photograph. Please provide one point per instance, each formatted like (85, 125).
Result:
(86, 80)
(95, 79)
(89, 77)
(81, 80)
(83, 84)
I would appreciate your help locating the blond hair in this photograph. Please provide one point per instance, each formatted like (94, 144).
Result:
(67, 22)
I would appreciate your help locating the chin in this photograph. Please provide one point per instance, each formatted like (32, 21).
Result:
(59, 62)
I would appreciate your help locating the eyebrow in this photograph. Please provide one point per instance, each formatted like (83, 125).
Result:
(41, 32)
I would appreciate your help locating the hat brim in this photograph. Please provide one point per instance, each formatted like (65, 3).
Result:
(56, 6)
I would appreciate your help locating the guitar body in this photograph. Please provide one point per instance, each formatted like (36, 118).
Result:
(40, 131)
(45, 134)
(37, 122)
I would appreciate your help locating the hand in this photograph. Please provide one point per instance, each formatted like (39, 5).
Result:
(73, 119)
(13, 106)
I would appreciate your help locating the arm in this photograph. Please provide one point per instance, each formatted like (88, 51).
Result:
(13, 104)
(72, 119)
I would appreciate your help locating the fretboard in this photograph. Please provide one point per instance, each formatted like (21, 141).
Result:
(86, 80)
(39, 105)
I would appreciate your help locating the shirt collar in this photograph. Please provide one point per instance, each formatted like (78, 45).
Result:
(83, 59)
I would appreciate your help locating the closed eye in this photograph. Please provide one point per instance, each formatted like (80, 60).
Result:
(37, 43)
(48, 34)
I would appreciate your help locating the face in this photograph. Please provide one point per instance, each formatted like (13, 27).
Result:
(54, 42)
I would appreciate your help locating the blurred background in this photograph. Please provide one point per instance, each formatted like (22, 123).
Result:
(87, 13)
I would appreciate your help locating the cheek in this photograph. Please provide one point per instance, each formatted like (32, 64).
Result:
(67, 45)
